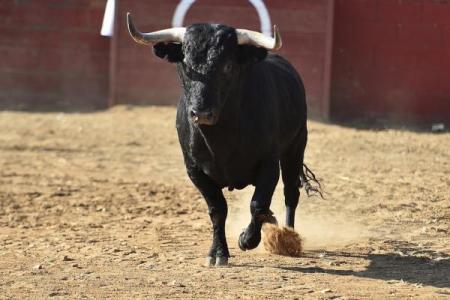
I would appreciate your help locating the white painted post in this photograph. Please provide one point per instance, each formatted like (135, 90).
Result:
(263, 14)
(108, 19)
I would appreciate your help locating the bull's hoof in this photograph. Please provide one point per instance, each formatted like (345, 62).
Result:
(210, 261)
(249, 241)
(221, 261)
(240, 243)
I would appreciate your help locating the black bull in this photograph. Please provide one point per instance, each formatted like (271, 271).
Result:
(241, 116)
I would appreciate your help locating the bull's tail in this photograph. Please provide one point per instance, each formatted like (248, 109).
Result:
(306, 178)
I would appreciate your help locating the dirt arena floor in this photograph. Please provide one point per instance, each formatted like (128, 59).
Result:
(98, 206)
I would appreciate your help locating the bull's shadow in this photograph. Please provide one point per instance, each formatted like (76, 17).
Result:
(381, 124)
(411, 269)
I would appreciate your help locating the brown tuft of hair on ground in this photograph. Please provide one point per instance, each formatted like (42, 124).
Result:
(282, 240)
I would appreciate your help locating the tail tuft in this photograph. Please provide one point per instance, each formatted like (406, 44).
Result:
(306, 177)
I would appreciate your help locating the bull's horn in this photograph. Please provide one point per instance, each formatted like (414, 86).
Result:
(175, 34)
(258, 39)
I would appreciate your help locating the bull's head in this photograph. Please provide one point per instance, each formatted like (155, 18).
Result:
(210, 60)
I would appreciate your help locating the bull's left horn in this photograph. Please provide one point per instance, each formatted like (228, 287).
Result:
(175, 34)
(260, 40)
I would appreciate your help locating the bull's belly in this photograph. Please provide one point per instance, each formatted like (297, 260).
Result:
(232, 177)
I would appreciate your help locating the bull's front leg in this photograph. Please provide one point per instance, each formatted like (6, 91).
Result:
(266, 182)
(217, 207)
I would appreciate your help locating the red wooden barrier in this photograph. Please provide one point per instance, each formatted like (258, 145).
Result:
(52, 56)
(391, 60)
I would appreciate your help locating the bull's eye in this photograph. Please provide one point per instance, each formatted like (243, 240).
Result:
(227, 68)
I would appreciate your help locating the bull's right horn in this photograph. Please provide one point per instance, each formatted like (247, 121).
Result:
(258, 39)
(175, 34)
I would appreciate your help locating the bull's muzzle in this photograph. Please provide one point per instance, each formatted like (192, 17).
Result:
(203, 117)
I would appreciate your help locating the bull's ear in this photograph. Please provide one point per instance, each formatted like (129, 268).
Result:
(251, 54)
(171, 51)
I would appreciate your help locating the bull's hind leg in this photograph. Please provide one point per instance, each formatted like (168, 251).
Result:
(217, 207)
(291, 167)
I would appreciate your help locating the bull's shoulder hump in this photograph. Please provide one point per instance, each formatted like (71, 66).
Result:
(278, 61)
(276, 67)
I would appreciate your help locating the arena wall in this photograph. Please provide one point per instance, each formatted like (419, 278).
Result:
(391, 60)
(52, 56)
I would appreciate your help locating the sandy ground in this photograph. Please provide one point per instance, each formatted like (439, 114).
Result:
(98, 205)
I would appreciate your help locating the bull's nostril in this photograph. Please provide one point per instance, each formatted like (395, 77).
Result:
(205, 117)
